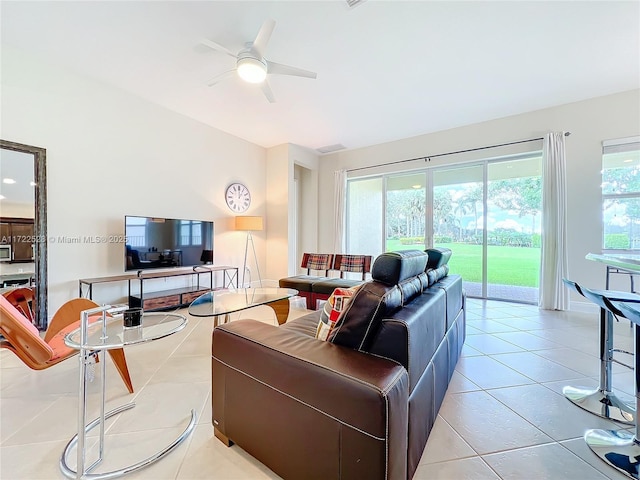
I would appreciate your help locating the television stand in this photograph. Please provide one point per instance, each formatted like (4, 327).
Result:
(164, 299)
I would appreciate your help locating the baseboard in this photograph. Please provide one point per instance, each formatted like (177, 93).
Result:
(583, 307)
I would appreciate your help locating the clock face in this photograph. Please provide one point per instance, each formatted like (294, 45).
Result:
(238, 197)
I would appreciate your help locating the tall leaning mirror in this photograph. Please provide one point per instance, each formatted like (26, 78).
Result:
(23, 223)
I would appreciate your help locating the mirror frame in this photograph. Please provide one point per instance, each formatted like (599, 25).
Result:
(40, 225)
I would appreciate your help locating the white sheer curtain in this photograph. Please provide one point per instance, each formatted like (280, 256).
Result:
(339, 207)
(554, 264)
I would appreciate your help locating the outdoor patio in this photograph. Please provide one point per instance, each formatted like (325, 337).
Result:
(503, 292)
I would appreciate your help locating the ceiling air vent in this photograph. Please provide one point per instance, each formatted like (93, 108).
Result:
(354, 3)
(331, 148)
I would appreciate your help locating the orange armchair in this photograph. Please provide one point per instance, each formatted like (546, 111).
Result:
(23, 338)
(22, 298)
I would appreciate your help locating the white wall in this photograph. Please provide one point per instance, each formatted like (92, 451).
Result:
(306, 236)
(589, 121)
(287, 227)
(110, 154)
(19, 210)
(279, 190)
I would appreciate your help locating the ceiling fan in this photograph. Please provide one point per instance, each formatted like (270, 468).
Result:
(251, 65)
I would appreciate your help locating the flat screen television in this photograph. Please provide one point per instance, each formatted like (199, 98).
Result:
(153, 242)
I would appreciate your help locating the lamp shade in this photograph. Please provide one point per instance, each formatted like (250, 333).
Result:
(248, 223)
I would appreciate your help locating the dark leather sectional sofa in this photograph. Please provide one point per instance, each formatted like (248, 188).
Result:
(359, 406)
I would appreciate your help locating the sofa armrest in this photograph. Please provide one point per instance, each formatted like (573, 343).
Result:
(258, 369)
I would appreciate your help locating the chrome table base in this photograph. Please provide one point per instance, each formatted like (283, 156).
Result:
(619, 448)
(70, 473)
(601, 403)
(104, 336)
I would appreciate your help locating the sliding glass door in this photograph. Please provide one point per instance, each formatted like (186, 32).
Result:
(405, 212)
(487, 212)
(514, 211)
(458, 222)
(365, 227)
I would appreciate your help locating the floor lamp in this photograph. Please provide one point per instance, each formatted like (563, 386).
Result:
(249, 224)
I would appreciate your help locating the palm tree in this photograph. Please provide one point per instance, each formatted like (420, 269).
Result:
(472, 195)
(522, 195)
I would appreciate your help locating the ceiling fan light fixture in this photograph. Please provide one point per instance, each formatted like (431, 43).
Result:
(252, 70)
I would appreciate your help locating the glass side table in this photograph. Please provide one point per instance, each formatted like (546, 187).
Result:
(109, 333)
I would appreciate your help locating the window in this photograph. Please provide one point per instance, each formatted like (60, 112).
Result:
(190, 233)
(621, 194)
(136, 229)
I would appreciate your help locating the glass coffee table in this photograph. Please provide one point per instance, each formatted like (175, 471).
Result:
(222, 303)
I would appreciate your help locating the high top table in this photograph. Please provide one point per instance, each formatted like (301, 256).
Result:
(617, 263)
(222, 303)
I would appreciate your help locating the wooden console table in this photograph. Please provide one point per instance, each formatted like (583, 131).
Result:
(158, 300)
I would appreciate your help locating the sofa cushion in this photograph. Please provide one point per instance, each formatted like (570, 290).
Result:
(412, 287)
(305, 325)
(412, 334)
(391, 268)
(331, 310)
(394, 284)
(438, 257)
(328, 285)
(452, 286)
(436, 274)
(360, 320)
(302, 283)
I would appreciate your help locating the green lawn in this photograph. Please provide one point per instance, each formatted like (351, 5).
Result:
(506, 265)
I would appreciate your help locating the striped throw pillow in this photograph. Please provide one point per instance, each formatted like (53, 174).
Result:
(332, 309)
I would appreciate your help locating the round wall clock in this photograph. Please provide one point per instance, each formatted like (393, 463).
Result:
(238, 197)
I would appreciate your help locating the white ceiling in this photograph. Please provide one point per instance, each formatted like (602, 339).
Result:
(386, 69)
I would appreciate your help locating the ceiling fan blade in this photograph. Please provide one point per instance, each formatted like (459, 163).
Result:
(217, 46)
(220, 77)
(260, 43)
(280, 69)
(266, 89)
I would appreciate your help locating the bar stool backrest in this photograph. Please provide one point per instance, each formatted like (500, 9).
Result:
(629, 312)
(573, 286)
(602, 301)
(612, 295)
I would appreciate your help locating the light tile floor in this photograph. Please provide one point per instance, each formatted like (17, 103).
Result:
(503, 416)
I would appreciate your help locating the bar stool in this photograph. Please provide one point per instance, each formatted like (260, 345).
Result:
(602, 401)
(619, 448)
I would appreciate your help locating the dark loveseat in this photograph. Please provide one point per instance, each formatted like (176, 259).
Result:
(314, 288)
(359, 406)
